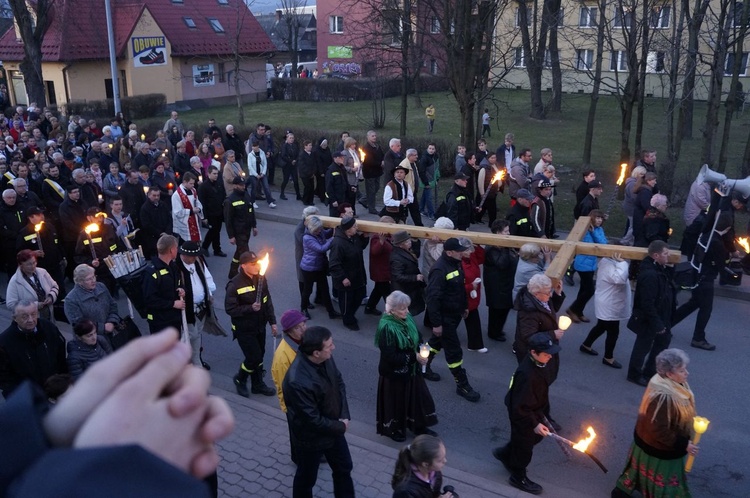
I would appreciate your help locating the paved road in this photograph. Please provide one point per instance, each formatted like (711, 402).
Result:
(255, 458)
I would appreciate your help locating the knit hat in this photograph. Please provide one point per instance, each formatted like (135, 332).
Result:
(291, 318)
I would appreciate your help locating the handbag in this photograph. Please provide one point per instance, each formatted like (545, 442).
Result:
(125, 331)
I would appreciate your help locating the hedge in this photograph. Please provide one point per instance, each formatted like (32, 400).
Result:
(346, 90)
(137, 107)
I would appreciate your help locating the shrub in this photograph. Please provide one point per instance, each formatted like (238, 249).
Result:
(136, 107)
(346, 89)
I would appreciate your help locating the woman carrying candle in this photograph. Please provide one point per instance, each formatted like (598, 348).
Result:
(404, 401)
(655, 463)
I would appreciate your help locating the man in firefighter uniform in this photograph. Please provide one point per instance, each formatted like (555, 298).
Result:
(446, 306)
(104, 241)
(239, 217)
(248, 303)
(162, 292)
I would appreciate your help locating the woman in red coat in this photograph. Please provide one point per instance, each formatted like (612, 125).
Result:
(473, 284)
(380, 269)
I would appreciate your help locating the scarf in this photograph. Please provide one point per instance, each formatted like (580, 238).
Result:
(56, 187)
(195, 234)
(402, 333)
(36, 284)
(678, 396)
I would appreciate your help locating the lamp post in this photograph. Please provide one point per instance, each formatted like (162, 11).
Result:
(112, 56)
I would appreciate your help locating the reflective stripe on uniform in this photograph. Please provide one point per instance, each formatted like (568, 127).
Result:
(149, 317)
(460, 198)
(30, 237)
(113, 247)
(456, 365)
(451, 275)
(238, 203)
(245, 290)
(522, 221)
(335, 173)
(163, 271)
(96, 240)
(265, 299)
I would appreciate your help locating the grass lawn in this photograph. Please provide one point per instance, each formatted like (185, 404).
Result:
(510, 109)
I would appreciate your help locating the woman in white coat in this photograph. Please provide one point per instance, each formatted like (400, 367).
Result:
(32, 284)
(612, 301)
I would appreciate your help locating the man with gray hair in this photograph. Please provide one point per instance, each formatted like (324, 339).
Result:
(392, 158)
(88, 196)
(25, 198)
(31, 348)
(372, 168)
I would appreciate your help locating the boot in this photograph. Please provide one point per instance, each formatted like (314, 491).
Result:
(240, 383)
(463, 388)
(428, 373)
(258, 386)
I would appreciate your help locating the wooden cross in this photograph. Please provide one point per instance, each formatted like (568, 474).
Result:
(566, 249)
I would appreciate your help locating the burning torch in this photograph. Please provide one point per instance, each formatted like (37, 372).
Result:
(744, 242)
(37, 229)
(620, 179)
(581, 445)
(497, 178)
(263, 267)
(92, 228)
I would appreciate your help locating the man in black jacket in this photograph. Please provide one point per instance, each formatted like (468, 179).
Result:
(591, 201)
(73, 217)
(11, 223)
(232, 141)
(459, 204)
(133, 197)
(519, 215)
(162, 291)
(318, 415)
(336, 184)
(527, 401)
(30, 348)
(306, 169)
(372, 168)
(211, 194)
(239, 216)
(156, 220)
(347, 267)
(653, 308)
(250, 314)
(447, 305)
(48, 253)
(391, 159)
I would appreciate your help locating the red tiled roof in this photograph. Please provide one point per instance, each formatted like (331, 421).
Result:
(84, 36)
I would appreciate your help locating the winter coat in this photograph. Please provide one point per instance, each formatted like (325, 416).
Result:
(372, 166)
(211, 195)
(429, 171)
(336, 184)
(255, 169)
(380, 254)
(415, 487)
(404, 269)
(654, 226)
(299, 232)
(588, 263)
(640, 206)
(72, 218)
(612, 296)
(472, 270)
(655, 300)
(499, 271)
(81, 355)
(306, 165)
(347, 260)
(460, 207)
(282, 360)
(446, 294)
(241, 294)
(322, 158)
(532, 317)
(96, 305)
(314, 249)
(21, 290)
(524, 271)
(628, 203)
(11, 223)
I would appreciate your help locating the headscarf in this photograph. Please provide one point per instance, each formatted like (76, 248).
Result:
(679, 397)
(402, 333)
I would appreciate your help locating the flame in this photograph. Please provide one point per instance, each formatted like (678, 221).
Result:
(498, 176)
(362, 155)
(38, 226)
(264, 264)
(101, 214)
(623, 168)
(583, 444)
(170, 186)
(143, 136)
(145, 189)
(91, 228)
(745, 243)
(216, 156)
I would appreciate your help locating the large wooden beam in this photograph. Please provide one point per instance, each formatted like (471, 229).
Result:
(600, 250)
(564, 256)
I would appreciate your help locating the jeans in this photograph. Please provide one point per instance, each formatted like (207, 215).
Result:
(701, 299)
(308, 462)
(262, 184)
(371, 189)
(427, 202)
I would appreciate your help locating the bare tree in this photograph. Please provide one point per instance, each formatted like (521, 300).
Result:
(32, 20)
(694, 22)
(589, 136)
(290, 13)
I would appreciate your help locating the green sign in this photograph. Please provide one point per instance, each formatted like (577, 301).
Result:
(335, 52)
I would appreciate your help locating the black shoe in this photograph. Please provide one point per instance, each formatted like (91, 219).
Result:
(500, 337)
(467, 392)
(352, 326)
(525, 484)
(373, 311)
(614, 364)
(425, 430)
(260, 387)
(334, 315)
(589, 351)
(430, 375)
(372, 211)
(299, 197)
(641, 381)
(283, 197)
(703, 345)
(307, 314)
(241, 387)
(311, 306)
(204, 252)
(220, 254)
(569, 280)
(398, 436)
(499, 454)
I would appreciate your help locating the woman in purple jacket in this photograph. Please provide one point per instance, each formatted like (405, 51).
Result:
(314, 264)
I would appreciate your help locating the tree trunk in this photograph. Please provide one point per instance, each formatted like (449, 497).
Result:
(694, 23)
(238, 91)
(533, 48)
(589, 138)
(674, 137)
(555, 104)
(713, 103)
(645, 45)
(32, 27)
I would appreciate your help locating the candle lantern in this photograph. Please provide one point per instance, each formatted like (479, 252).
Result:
(700, 425)
(424, 352)
(564, 322)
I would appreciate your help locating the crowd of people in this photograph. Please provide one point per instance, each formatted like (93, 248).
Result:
(88, 194)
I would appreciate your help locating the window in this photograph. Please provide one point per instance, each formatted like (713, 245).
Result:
(655, 62)
(623, 18)
(392, 27)
(433, 67)
(660, 17)
(548, 58)
(529, 15)
(588, 17)
(189, 22)
(618, 61)
(584, 59)
(216, 25)
(434, 25)
(729, 66)
(519, 59)
(560, 17)
(336, 24)
(222, 73)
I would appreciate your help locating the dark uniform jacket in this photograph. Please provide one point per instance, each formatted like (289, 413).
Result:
(520, 221)
(105, 243)
(212, 195)
(336, 184)
(11, 223)
(446, 294)
(241, 293)
(315, 397)
(654, 300)
(528, 396)
(27, 239)
(239, 215)
(460, 206)
(346, 260)
(31, 356)
(133, 198)
(160, 283)
(404, 271)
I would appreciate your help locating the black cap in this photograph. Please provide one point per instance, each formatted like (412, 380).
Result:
(339, 153)
(237, 180)
(595, 184)
(544, 184)
(190, 248)
(401, 167)
(453, 244)
(460, 176)
(541, 342)
(33, 210)
(248, 257)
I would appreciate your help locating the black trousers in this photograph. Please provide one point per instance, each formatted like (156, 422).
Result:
(449, 341)
(320, 187)
(213, 236)
(701, 299)
(489, 207)
(271, 173)
(371, 190)
(290, 172)
(473, 330)
(308, 191)
(612, 328)
(647, 344)
(311, 278)
(349, 301)
(585, 292)
(416, 216)
(253, 346)
(240, 246)
(520, 449)
(308, 462)
(496, 321)
(380, 291)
